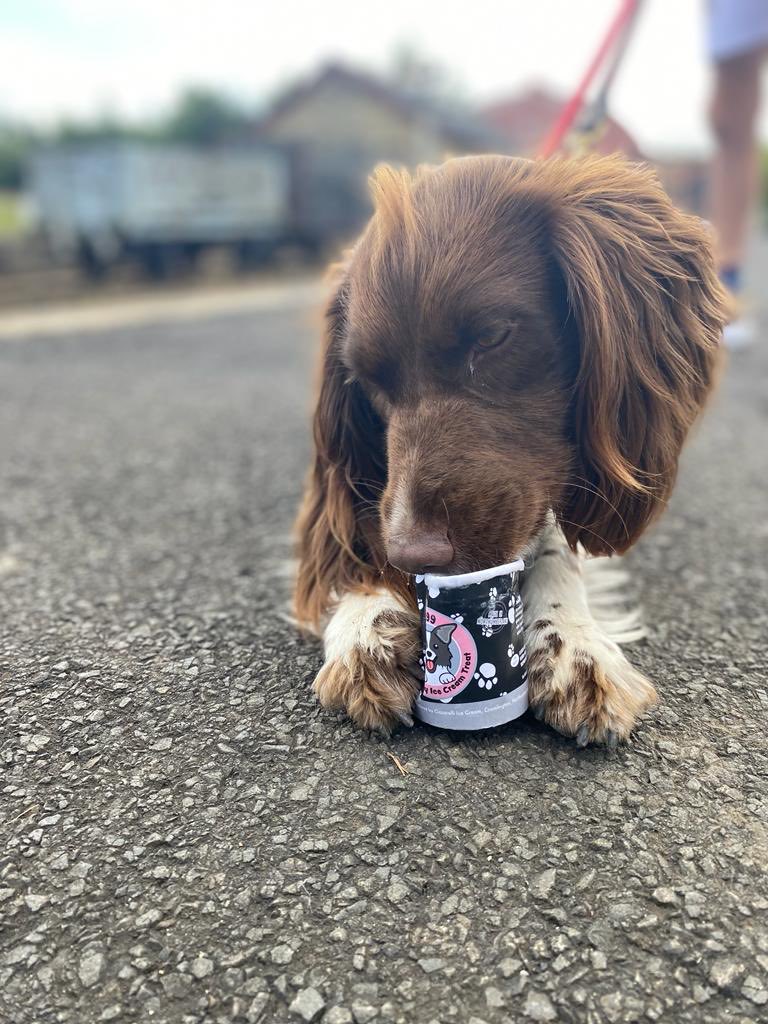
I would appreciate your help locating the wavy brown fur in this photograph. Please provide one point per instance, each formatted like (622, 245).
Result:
(649, 308)
(643, 316)
(337, 530)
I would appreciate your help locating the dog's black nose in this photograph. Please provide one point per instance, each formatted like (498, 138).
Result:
(420, 552)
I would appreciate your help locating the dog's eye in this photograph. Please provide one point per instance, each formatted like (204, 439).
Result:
(493, 339)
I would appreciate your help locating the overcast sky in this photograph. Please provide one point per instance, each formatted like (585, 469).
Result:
(79, 57)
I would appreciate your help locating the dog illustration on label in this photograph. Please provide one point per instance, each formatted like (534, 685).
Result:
(438, 652)
(450, 657)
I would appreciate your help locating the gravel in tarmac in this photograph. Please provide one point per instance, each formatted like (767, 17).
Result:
(186, 837)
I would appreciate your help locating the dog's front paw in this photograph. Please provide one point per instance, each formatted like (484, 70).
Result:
(581, 683)
(373, 677)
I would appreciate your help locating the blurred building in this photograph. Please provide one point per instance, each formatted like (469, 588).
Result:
(686, 180)
(523, 120)
(341, 122)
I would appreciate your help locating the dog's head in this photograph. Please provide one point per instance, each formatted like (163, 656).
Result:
(509, 337)
(438, 652)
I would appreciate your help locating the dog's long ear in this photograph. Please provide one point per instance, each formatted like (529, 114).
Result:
(337, 527)
(445, 632)
(648, 311)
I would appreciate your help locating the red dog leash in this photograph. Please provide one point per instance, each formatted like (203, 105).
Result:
(612, 45)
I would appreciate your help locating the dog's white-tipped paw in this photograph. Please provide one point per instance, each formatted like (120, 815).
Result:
(581, 683)
(371, 669)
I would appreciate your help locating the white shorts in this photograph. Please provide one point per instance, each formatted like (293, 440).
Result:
(735, 27)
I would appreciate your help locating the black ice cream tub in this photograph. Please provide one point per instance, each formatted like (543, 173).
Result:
(473, 654)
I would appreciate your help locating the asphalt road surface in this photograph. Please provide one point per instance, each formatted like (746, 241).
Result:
(185, 836)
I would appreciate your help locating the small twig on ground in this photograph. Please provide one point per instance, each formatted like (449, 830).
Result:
(400, 766)
(26, 813)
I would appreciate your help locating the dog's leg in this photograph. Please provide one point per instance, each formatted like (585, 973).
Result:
(371, 659)
(580, 681)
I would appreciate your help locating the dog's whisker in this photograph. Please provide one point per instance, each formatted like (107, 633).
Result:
(447, 514)
(593, 533)
(586, 486)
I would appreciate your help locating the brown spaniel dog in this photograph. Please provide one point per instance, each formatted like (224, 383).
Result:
(515, 352)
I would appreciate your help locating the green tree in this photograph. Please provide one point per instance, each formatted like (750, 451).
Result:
(102, 129)
(15, 144)
(420, 76)
(201, 116)
(206, 117)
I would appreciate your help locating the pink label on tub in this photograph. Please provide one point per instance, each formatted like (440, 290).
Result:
(450, 656)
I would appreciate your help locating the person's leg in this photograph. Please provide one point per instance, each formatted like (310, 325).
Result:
(734, 170)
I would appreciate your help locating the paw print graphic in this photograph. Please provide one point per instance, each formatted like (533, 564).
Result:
(420, 603)
(457, 617)
(514, 657)
(485, 677)
(486, 631)
(493, 594)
